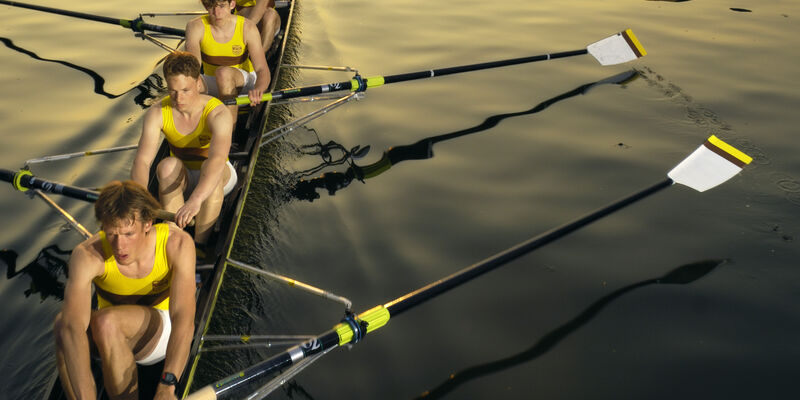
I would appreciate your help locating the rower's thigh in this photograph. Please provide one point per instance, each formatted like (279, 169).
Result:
(136, 325)
(229, 75)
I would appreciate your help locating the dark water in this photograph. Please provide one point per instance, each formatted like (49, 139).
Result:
(593, 315)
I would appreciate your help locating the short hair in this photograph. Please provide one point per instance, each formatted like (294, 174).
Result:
(125, 201)
(211, 3)
(181, 63)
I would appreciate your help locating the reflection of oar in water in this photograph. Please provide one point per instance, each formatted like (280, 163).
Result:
(711, 164)
(332, 181)
(619, 48)
(23, 180)
(136, 25)
(681, 276)
(44, 271)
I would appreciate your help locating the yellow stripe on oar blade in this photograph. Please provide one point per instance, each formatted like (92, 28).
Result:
(617, 49)
(713, 163)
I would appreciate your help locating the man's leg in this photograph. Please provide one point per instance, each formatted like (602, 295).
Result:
(229, 80)
(120, 332)
(172, 179)
(269, 26)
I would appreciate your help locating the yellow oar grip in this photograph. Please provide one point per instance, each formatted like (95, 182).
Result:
(374, 81)
(242, 100)
(18, 177)
(375, 318)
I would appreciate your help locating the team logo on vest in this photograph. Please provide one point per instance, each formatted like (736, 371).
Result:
(237, 49)
(204, 139)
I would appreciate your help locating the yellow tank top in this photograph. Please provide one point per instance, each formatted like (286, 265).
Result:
(114, 288)
(192, 148)
(245, 3)
(232, 54)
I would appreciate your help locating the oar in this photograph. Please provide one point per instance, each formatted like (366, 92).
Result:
(23, 180)
(136, 25)
(78, 154)
(617, 49)
(711, 164)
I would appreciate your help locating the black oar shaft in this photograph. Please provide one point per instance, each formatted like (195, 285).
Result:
(330, 339)
(32, 182)
(382, 80)
(477, 67)
(27, 180)
(434, 289)
(136, 25)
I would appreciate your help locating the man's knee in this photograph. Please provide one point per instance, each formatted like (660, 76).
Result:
(170, 172)
(104, 328)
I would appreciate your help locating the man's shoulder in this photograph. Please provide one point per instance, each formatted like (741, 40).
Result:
(178, 239)
(89, 254)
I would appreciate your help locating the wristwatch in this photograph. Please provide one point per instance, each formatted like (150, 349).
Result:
(168, 378)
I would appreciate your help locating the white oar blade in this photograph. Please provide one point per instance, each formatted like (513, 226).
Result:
(617, 49)
(713, 163)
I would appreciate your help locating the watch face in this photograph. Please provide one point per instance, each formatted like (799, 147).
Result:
(169, 378)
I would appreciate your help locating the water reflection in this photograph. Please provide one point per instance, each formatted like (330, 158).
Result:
(148, 89)
(306, 189)
(682, 275)
(48, 271)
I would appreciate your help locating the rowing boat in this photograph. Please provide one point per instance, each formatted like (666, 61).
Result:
(244, 152)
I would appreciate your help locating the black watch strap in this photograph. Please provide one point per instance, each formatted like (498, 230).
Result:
(168, 378)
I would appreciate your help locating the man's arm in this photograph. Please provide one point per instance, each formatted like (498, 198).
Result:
(181, 258)
(75, 316)
(194, 34)
(252, 39)
(148, 145)
(220, 122)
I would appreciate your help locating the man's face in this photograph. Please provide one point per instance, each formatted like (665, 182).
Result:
(221, 9)
(127, 239)
(183, 91)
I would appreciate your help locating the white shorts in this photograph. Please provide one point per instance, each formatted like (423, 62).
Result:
(193, 178)
(213, 89)
(160, 351)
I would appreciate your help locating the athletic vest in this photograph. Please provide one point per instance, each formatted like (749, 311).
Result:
(245, 3)
(113, 288)
(231, 54)
(192, 149)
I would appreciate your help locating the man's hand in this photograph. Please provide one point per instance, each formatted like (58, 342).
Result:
(165, 392)
(188, 211)
(255, 96)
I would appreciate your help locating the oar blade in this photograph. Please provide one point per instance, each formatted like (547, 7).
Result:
(713, 163)
(617, 49)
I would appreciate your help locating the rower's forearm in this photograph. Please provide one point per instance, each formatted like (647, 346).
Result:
(75, 349)
(210, 174)
(180, 339)
(140, 173)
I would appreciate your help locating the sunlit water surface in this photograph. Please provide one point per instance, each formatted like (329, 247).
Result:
(585, 317)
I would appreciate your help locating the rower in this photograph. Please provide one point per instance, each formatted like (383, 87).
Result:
(229, 46)
(143, 274)
(198, 130)
(263, 14)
